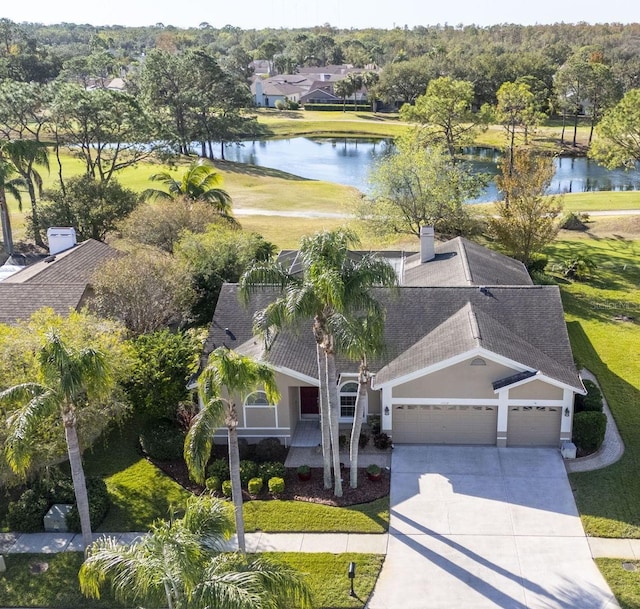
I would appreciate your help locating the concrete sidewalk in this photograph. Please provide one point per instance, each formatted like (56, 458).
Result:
(335, 543)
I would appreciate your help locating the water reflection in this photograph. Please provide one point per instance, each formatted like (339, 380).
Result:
(348, 161)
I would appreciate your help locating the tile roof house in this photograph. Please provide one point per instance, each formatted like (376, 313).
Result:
(475, 354)
(60, 281)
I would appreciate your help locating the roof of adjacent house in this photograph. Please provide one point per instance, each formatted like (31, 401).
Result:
(59, 282)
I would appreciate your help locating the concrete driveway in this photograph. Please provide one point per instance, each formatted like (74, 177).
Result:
(475, 527)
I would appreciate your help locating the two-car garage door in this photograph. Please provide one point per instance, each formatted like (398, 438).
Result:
(458, 424)
(446, 424)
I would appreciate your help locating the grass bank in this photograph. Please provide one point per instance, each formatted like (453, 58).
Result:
(607, 499)
(624, 584)
(51, 580)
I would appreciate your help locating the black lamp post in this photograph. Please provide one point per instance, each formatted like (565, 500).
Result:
(352, 575)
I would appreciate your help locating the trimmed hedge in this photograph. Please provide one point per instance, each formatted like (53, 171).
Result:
(99, 503)
(335, 107)
(218, 468)
(272, 469)
(254, 486)
(227, 489)
(162, 440)
(248, 470)
(589, 429)
(592, 402)
(270, 449)
(25, 515)
(276, 486)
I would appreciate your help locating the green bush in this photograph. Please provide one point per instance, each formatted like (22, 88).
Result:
(537, 264)
(227, 490)
(162, 440)
(25, 515)
(588, 430)
(272, 469)
(381, 441)
(374, 424)
(213, 484)
(99, 504)
(592, 402)
(343, 441)
(276, 486)
(363, 440)
(248, 470)
(218, 468)
(270, 449)
(254, 486)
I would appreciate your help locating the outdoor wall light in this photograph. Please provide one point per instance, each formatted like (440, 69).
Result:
(386, 411)
(566, 412)
(352, 575)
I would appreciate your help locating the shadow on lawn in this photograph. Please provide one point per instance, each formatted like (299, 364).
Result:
(613, 493)
(261, 172)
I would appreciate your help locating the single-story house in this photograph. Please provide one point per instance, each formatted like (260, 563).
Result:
(60, 281)
(475, 354)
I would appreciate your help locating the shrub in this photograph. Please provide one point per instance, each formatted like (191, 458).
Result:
(276, 486)
(374, 424)
(246, 451)
(25, 515)
(280, 104)
(342, 441)
(381, 441)
(213, 484)
(373, 469)
(538, 263)
(218, 468)
(588, 430)
(363, 440)
(571, 221)
(255, 486)
(248, 470)
(592, 402)
(227, 490)
(272, 469)
(162, 440)
(333, 107)
(99, 504)
(270, 449)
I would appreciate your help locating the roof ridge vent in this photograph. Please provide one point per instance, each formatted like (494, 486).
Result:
(475, 328)
(465, 262)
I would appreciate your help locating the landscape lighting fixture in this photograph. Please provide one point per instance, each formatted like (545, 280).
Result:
(352, 575)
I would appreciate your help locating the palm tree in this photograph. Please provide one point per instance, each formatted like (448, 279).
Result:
(24, 154)
(342, 89)
(199, 182)
(332, 286)
(69, 377)
(355, 84)
(359, 338)
(8, 184)
(179, 565)
(233, 375)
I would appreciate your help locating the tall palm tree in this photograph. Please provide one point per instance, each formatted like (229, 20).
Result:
(24, 155)
(226, 377)
(331, 286)
(199, 182)
(10, 185)
(68, 378)
(361, 338)
(179, 565)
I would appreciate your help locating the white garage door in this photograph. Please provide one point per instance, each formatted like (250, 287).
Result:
(534, 426)
(429, 424)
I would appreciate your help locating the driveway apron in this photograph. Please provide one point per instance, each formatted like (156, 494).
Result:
(478, 527)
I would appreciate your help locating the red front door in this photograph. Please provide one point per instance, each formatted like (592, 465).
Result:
(309, 408)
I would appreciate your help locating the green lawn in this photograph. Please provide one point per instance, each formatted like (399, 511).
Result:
(301, 516)
(608, 499)
(624, 584)
(58, 585)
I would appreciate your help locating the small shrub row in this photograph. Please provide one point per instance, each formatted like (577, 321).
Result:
(334, 107)
(218, 470)
(254, 486)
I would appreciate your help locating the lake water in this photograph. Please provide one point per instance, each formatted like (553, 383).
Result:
(348, 161)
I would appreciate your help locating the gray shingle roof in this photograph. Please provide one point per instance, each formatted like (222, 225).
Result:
(61, 284)
(425, 325)
(463, 262)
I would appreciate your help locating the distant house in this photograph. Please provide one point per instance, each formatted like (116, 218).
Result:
(309, 85)
(61, 281)
(475, 354)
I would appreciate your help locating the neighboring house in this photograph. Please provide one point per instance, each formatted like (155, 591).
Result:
(61, 281)
(475, 354)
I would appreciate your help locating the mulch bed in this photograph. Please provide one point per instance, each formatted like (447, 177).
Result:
(311, 490)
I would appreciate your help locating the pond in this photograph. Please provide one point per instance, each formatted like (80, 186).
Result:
(348, 161)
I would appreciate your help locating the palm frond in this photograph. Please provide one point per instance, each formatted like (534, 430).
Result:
(199, 440)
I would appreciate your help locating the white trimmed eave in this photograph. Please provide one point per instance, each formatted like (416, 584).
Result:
(446, 363)
(294, 374)
(539, 376)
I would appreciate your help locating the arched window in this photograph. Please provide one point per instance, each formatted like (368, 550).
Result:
(257, 399)
(348, 396)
